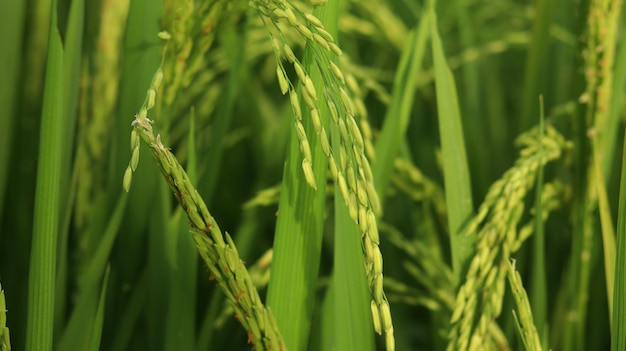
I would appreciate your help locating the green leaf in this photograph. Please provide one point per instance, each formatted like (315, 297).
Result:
(299, 228)
(353, 319)
(618, 323)
(399, 110)
(96, 333)
(39, 332)
(455, 168)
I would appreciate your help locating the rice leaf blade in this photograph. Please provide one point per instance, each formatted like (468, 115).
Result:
(456, 171)
(96, 333)
(42, 275)
(398, 113)
(353, 320)
(299, 228)
(618, 323)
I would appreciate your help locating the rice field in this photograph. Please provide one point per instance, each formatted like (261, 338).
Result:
(312, 175)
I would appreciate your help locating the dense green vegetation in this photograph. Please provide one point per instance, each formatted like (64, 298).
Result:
(312, 175)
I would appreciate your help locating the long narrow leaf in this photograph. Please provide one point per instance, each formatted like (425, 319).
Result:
(455, 168)
(299, 229)
(47, 200)
(96, 332)
(539, 292)
(81, 322)
(398, 113)
(71, 67)
(618, 337)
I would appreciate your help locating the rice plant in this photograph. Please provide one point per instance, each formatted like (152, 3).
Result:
(312, 175)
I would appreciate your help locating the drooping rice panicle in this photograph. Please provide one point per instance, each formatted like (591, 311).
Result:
(342, 97)
(217, 250)
(479, 300)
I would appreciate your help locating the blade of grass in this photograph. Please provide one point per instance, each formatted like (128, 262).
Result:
(471, 103)
(39, 332)
(299, 228)
(96, 333)
(297, 245)
(539, 291)
(456, 172)
(397, 117)
(618, 323)
(350, 295)
(92, 274)
(353, 319)
(71, 67)
(81, 322)
(17, 219)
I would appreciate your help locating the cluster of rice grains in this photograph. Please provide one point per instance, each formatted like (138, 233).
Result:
(479, 300)
(349, 166)
(217, 251)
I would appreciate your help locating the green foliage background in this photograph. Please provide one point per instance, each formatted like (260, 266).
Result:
(494, 129)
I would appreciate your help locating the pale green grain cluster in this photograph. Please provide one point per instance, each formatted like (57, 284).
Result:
(348, 163)
(5, 341)
(260, 275)
(479, 300)
(191, 25)
(524, 316)
(217, 250)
